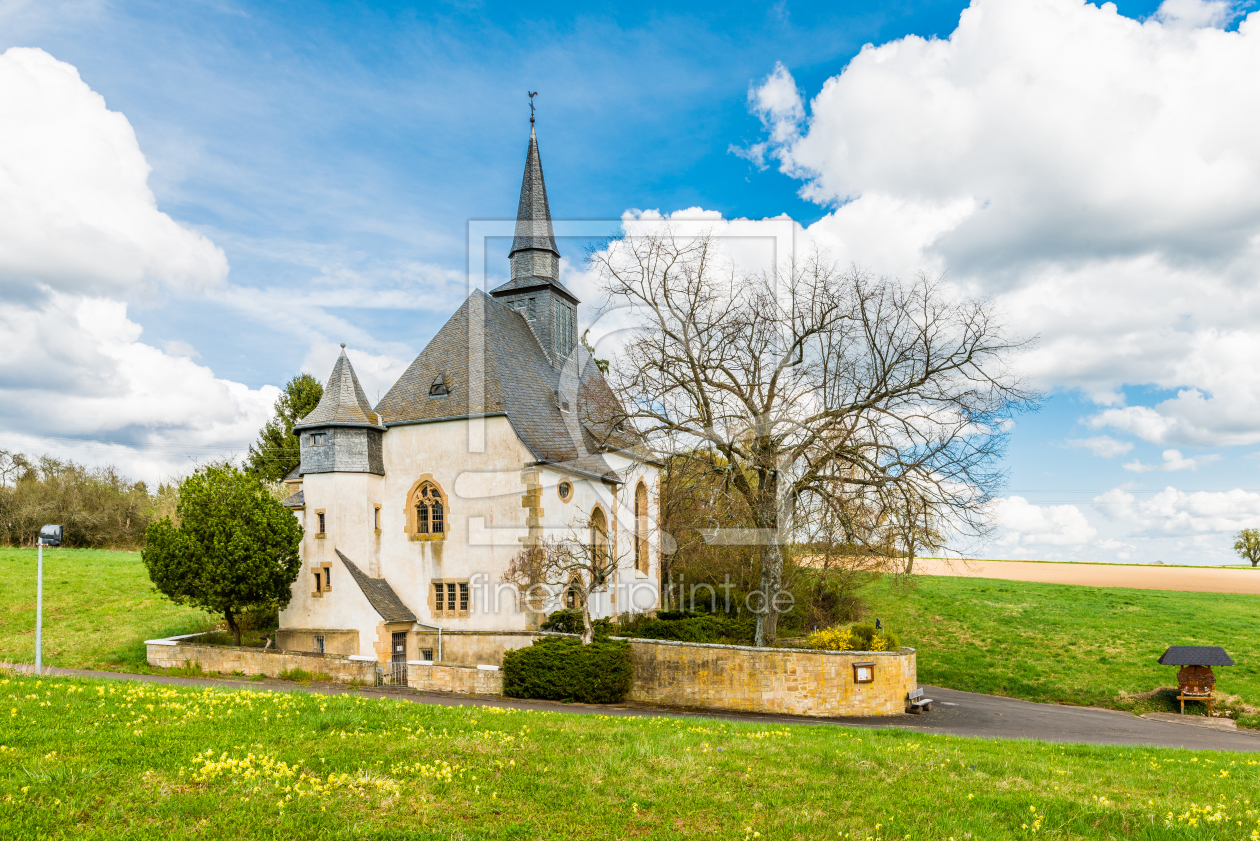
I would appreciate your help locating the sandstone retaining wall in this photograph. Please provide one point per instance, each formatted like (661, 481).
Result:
(462, 680)
(175, 653)
(770, 680)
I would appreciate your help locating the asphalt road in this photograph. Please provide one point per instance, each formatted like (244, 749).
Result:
(956, 713)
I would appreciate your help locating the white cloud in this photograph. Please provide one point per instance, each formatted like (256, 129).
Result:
(1102, 446)
(1173, 460)
(76, 212)
(1098, 175)
(1171, 511)
(80, 233)
(1024, 524)
(75, 377)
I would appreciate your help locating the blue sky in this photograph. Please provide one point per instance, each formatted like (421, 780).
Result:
(335, 153)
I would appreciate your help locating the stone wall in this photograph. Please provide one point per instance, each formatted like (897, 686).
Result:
(769, 680)
(461, 680)
(174, 653)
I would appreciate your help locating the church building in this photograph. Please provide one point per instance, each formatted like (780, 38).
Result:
(503, 431)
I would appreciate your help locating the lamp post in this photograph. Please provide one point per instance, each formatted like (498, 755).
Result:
(48, 536)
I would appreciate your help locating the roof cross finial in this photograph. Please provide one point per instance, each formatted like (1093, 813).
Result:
(532, 94)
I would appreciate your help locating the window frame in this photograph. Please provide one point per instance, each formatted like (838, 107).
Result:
(419, 520)
(456, 593)
(321, 522)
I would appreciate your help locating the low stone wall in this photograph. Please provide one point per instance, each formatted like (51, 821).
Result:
(184, 652)
(770, 680)
(462, 680)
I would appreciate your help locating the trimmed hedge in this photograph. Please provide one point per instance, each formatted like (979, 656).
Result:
(683, 626)
(562, 669)
(570, 622)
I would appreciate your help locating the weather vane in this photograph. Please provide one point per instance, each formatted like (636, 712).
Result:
(532, 94)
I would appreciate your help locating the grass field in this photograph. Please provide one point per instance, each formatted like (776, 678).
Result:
(1068, 644)
(99, 607)
(96, 759)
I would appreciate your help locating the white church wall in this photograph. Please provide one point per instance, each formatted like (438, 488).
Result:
(481, 480)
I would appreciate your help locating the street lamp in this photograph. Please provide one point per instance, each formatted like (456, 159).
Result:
(48, 536)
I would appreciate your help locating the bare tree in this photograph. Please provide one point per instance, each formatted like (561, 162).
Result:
(581, 564)
(813, 382)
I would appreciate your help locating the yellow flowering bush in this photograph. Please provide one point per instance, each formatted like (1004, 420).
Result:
(834, 638)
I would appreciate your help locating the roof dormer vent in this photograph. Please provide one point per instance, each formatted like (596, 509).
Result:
(439, 387)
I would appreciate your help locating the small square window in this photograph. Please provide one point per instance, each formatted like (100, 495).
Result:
(426, 654)
(319, 439)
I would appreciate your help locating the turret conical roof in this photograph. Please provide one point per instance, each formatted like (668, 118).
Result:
(533, 214)
(343, 403)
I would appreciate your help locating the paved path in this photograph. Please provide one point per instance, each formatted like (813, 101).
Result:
(956, 713)
(1145, 577)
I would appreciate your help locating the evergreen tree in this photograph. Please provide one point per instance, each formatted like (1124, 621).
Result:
(235, 548)
(277, 452)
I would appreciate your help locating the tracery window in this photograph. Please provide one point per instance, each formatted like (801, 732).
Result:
(430, 510)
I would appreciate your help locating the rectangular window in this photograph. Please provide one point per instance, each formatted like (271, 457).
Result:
(532, 309)
(451, 599)
(327, 578)
(319, 644)
(376, 518)
(318, 439)
(318, 585)
(422, 519)
(426, 654)
(399, 640)
(322, 529)
(438, 518)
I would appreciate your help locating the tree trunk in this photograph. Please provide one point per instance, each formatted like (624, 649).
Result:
(235, 626)
(771, 584)
(588, 629)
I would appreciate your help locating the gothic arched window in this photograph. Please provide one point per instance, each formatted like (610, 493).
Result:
(599, 538)
(641, 528)
(428, 513)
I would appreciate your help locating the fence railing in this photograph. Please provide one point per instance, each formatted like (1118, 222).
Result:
(391, 674)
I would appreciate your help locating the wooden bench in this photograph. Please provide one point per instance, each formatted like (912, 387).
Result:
(916, 703)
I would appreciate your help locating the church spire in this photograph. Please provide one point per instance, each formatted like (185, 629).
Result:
(534, 252)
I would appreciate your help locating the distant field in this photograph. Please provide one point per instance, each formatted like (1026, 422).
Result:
(1064, 643)
(99, 607)
(107, 759)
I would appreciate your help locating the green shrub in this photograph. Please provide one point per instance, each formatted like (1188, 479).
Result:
(853, 638)
(688, 627)
(562, 669)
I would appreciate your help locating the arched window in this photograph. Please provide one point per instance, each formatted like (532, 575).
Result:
(599, 538)
(430, 511)
(573, 595)
(641, 528)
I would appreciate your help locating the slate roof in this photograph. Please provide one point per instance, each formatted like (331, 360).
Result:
(518, 381)
(379, 594)
(1195, 655)
(295, 473)
(533, 214)
(295, 501)
(524, 284)
(343, 403)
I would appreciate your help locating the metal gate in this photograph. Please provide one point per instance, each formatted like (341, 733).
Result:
(391, 674)
(394, 673)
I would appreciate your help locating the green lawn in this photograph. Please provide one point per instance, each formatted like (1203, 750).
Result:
(106, 759)
(99, 607)
(1067, 644)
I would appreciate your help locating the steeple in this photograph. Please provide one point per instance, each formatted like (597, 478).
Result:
(534, 252)
(535, 290)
